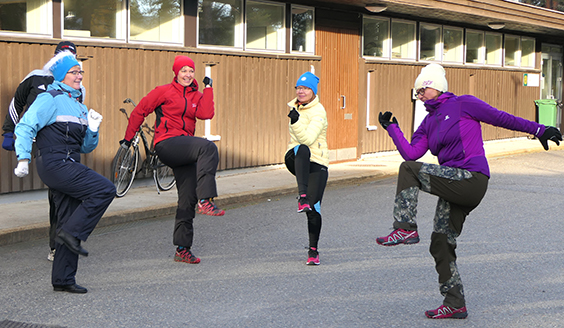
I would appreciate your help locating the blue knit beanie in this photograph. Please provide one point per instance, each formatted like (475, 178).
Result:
(60, 64)
(308, 80)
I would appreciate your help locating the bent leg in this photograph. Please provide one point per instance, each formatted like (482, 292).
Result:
(186, 150)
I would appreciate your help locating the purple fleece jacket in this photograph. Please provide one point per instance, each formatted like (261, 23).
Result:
(453, 133)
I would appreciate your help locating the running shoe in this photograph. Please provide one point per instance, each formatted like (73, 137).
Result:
(312, 256)
(399, 236)
(447, 312)
(185, 255)
(207, 207)
(303, 204)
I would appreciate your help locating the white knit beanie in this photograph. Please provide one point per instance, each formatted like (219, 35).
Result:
(432, 76)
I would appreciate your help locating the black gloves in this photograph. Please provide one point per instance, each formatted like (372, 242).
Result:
(208, 81)
(294, 116)
(125, 143)
(550, 133)
(385, 119)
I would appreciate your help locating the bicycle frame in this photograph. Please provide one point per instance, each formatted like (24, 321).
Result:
(151, 159)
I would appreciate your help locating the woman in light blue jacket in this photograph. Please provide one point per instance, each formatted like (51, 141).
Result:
(63, 129)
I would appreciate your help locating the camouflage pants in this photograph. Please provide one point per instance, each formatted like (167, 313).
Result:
(459, 192)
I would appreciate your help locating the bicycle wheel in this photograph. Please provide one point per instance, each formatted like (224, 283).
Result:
(124, 167)
(163, 175)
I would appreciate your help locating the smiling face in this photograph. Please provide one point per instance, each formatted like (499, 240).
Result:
(73, 78)
(304, 94)
(185, 76)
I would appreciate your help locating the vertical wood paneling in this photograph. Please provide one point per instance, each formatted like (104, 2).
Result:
(250, 95)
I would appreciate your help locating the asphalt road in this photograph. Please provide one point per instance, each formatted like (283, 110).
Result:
(253, 271)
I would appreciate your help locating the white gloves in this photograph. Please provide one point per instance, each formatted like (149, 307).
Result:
(94, 120)
(22, 169)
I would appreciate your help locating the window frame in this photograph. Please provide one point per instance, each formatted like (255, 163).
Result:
(283, 28)
(123, 27)
(481, 50)
(49, 24)
(386, 44)
(310, 38)
(413, 41)
(499, 51)
(517, 52)
(460, 60)
(533, 54)
(438, 45)
(239, 41)
(182, 29)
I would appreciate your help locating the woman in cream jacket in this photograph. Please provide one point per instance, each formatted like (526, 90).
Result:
(308, 156)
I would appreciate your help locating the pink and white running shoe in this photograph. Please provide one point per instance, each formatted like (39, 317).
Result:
(447, 312)
(399, 236)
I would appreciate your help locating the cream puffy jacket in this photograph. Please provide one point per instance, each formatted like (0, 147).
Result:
(311, 130)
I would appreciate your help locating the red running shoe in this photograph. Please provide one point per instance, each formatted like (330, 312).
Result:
(185, 255)
(447, 312)
(207, 207)
(399, 236)
(312, 257)
(303, 204)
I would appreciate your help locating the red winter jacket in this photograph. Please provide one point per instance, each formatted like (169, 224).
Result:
(177, 109)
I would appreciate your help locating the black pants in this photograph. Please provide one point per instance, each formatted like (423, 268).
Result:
(312, 180)
(194, 163)
(81, 196)
(459, 192)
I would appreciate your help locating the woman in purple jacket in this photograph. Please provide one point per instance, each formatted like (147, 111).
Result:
(453, 133)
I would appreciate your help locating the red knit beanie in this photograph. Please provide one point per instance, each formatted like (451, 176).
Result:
(181, 61)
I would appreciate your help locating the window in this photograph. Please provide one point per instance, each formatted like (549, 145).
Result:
(527, 52)
(431, 46)
(303, 33)
(156, 21)
(376, 40)
(94, 18)
(493, 49)
(403, 39)
(29, 16)
(220, 23)
(453, 48)
(512, 51)
(265, 26)
(474, 47)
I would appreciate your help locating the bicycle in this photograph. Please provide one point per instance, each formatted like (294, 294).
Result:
(126, 161)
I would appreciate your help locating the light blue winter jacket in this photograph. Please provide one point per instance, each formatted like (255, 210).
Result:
(58, 121)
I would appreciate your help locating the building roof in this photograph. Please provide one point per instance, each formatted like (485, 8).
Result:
(516, 16)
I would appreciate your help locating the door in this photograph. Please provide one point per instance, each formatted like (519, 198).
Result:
(338, 91)
(551, 78)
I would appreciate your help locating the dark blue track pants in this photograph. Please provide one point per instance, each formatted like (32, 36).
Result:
(81, 196)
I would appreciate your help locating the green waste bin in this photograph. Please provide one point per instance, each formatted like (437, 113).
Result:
(547, 111)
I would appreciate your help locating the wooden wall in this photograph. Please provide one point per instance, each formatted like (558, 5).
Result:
(391, 86)
(250, 94)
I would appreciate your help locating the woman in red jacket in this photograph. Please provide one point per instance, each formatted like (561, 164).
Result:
(193, 160)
